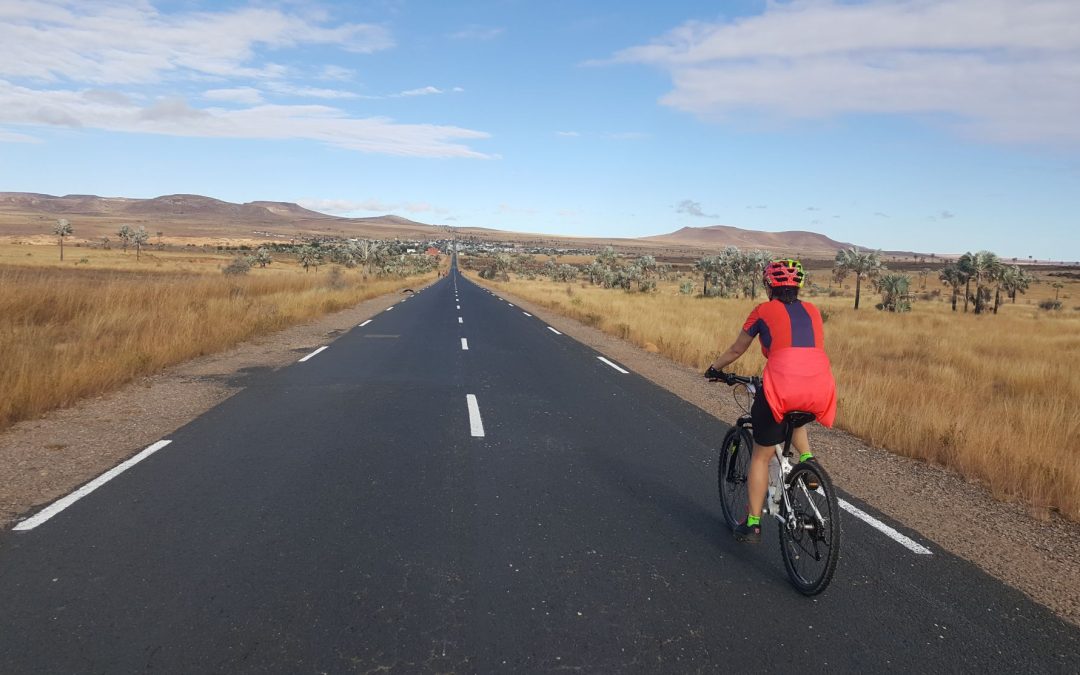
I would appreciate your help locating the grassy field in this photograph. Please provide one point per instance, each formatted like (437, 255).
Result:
(75, 329)
(992, 397)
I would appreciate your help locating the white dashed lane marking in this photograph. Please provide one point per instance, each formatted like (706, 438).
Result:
(365, 323)
(476, 425)
(903, 540)
(313, 353)
(61, 504)
(616, 367)
(464, 344)
(553, 330)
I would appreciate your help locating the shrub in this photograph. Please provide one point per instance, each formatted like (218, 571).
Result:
(687, 287)
(1050, 304)
(239, 266)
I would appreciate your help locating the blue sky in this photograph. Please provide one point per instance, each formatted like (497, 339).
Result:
(924, 125)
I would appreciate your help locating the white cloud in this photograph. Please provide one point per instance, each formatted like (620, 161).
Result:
(568, 134)
(422, 91)
(478, 33)
(175, 117)
(245, 95)
(13, 137)
(120, 42)
(1004, 70)
(346, 206)
(692, 208)
(309, 92)
(62, 61)
(337, 73)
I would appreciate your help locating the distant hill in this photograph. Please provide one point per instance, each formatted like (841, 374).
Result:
(183, 215)
(719, 236)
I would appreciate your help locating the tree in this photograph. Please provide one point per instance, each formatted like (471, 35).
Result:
(262, 257)
(860, 264)
(309, 256)
(138, 238)
(125, 236)
(981, 267)
(1057, 286)
(62, 229)
(951, 275)
(105, 242)
(894, 288)
(1015, 280)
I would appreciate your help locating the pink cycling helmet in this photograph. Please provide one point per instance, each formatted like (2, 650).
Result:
(786, 272)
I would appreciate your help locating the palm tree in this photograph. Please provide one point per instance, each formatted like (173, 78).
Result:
(953, 276)
(62, 229)
(860, 264)
(982, 266)
(1015, 280)
(894, 287)
(309, 256)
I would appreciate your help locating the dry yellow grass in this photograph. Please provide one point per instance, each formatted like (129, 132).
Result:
(77, 330)
(992, 397)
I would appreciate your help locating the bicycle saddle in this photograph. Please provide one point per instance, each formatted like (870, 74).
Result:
(798, 418)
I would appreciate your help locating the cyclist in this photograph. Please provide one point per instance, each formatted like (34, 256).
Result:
(797, 376)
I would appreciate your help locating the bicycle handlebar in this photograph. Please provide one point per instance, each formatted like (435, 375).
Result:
(732, 379)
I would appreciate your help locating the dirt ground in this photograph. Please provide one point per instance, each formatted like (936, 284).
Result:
(44, 459)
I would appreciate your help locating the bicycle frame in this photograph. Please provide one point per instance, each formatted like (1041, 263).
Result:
(783, 470)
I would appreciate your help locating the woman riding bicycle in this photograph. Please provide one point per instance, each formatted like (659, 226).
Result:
(797, 376)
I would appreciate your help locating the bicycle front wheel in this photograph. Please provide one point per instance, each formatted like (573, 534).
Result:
(810, 533)
(732, 471)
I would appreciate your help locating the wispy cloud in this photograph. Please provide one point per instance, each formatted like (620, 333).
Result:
(879, 214)
(475, 32)
(245, 95)
(176, 117)
(692, 208)
(1004, 70)
(568, 134)
(120, 42)
(349, 206)
(101, 65)
(13, 137)
(946, 215)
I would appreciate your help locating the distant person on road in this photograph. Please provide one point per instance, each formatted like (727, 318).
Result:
(797, 376)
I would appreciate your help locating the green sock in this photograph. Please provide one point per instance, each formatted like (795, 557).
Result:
(805, 456)
(753, 520)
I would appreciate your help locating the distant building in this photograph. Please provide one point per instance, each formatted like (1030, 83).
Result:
(431, 250)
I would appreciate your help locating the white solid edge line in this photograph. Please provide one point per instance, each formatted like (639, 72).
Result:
(476, 425)
(902, 539)
(553, 330)
(618, 368)
(365, 323)
(313, 353)
(464, 344)
(526, 314)
(459, 320)
(64, 502)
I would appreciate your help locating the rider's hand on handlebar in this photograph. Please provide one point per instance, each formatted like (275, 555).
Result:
(715, 375)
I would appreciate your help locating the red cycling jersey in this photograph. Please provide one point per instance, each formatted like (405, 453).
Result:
(798, 375)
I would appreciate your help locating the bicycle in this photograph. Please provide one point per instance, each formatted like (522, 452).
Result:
(808, 515)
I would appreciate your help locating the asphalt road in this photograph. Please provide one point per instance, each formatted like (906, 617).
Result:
(343, 514)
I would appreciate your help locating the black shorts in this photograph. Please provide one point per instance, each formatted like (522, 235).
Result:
(767, 431)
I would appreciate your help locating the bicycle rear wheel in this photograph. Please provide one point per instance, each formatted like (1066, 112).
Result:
(732, 470)
(810, 534)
